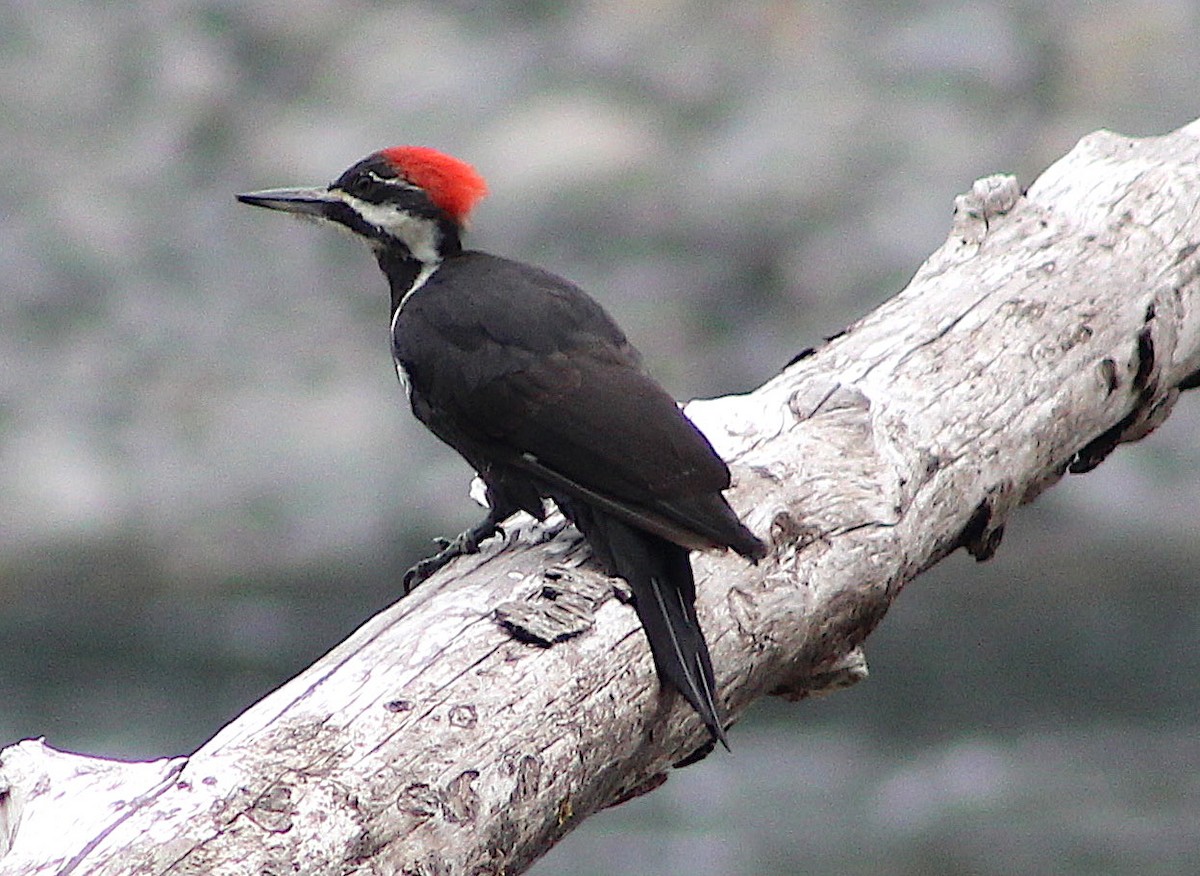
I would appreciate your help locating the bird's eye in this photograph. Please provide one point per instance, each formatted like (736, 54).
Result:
(369, 185)
(353, 185)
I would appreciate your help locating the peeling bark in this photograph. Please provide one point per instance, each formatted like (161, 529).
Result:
(470, 726)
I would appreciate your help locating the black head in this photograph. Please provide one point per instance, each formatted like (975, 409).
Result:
(407, 196)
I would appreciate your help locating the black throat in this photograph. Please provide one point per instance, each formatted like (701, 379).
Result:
(403, 270)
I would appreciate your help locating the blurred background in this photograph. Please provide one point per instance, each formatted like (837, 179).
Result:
(208, 475)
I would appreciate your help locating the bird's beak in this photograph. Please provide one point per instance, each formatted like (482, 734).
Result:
(304, 202)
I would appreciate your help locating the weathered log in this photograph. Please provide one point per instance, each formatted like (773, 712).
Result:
(471, 725)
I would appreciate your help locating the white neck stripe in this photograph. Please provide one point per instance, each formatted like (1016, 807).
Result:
(422, 278)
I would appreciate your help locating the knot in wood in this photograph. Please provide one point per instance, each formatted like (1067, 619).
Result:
(561, 608)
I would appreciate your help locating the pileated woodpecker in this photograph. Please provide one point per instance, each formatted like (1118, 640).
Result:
(530, 380)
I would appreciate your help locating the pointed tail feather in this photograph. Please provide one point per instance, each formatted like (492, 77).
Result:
(660, 575)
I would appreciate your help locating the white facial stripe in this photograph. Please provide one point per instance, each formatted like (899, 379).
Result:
(420, 235)
(392, 181)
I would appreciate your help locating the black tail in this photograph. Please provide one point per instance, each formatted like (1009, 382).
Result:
(660, 574)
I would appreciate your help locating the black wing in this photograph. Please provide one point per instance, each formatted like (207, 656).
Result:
(562, 395)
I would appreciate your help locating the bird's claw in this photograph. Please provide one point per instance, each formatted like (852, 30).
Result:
(473, 538)
(464, 543)
(423, 570)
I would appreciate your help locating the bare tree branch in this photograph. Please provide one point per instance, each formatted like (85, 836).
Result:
(473, 724)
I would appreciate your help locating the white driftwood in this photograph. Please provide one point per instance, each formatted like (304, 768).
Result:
(441, 738)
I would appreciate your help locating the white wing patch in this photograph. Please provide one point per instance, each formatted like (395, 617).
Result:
(404, 379)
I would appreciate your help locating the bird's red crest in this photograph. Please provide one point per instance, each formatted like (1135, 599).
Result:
(452, 184)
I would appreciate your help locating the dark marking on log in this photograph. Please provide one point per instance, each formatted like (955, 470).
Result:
(528, 772)
(624, 796)
(986, 549)
(1146, 387)
(464, 717)
(696, 756)
(364, 847)
(1108, 373)
(398, 705)
(561, 609)
(1191, 381)
(1144, 357)
(976, 524)
(420, 800)
(1186, 253)
(430, 865)
(272, 811)
(1097, 450)
(1081, 334)
(767, 473)
(787, 530)
(980, 537)
(461, 801)
(799, 357)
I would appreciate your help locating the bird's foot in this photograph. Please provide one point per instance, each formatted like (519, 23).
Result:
(464, 543)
